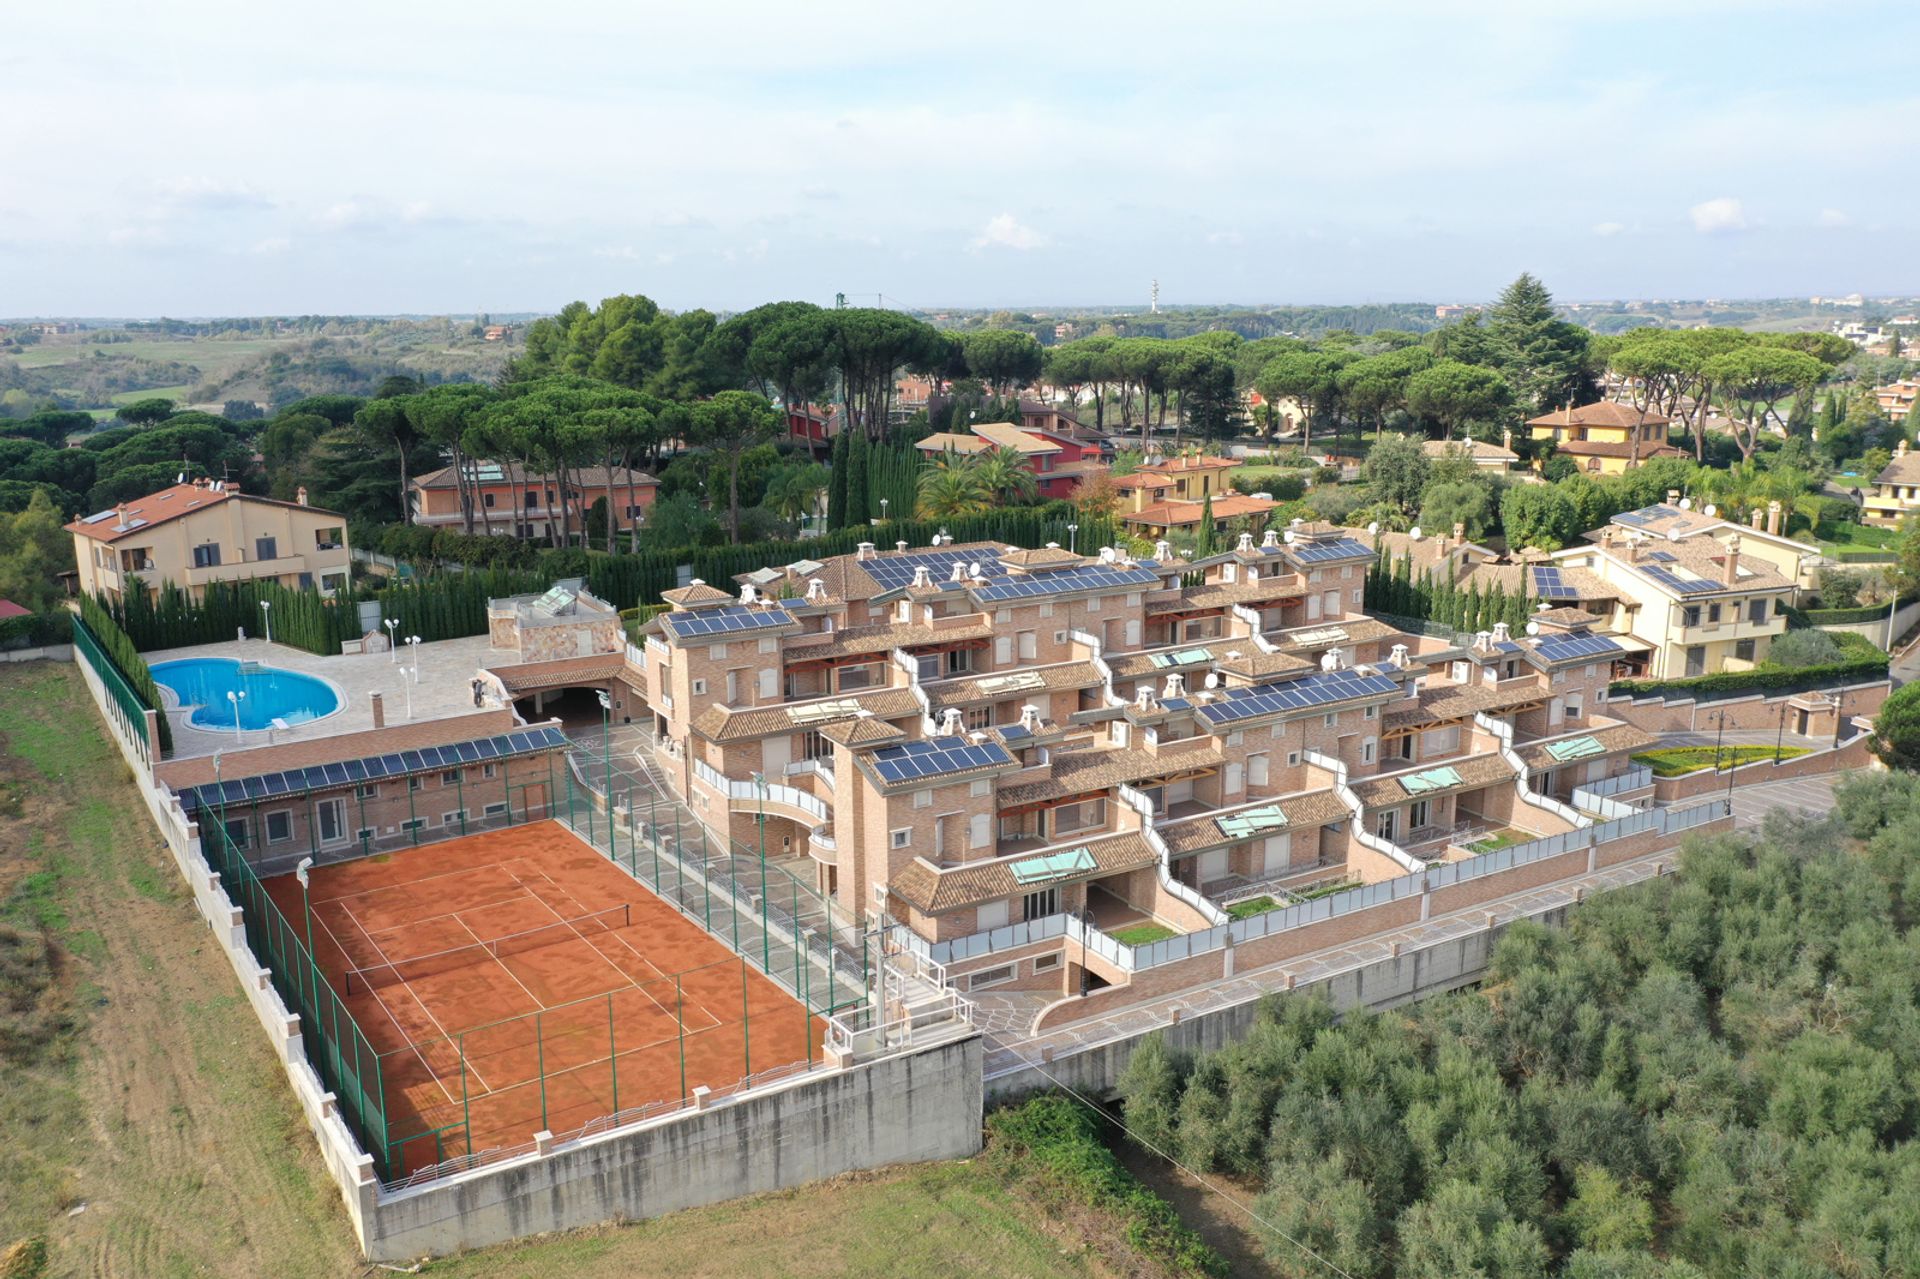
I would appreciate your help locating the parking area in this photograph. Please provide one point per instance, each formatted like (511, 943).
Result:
(1751, 804)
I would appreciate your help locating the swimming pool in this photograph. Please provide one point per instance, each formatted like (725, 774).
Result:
(204, 682)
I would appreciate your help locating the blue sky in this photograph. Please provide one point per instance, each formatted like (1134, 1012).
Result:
(201, 158)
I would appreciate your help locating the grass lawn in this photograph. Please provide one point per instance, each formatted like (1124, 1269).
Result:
(1495, 842)
(1677, 761)
(146, 1129)
(1327, 889)
(1252, 906)
(1142, 934)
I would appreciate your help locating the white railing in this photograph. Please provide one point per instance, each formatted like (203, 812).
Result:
(1503, 733)
(769, 792)
(1605, 807)
(655, 646)
(1345, 793)
(1244, 614)
(802, 767)
(1639, 777)
(1163, 857)
(636, 656)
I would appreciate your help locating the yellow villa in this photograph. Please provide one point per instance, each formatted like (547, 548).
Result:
(1604, 438)
(207, 531)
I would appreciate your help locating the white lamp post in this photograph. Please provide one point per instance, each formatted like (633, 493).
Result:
(234, 699)
(266, 618)
(407, 684)
(414, 642)
(393, 646)
(883, 510)
(1073, 539)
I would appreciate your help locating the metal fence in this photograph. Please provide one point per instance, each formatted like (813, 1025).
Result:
(128, 708)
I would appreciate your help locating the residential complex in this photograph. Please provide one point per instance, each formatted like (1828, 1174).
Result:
(506, 498)
(1060, 463)
(1896, 490)
(206, 531)
(1170, 496)
(960, 738)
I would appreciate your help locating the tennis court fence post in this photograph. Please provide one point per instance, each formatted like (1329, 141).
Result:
(466, 1110)
(680, 1017)
(540, 1054)
(746, 1021)
(613, 1058)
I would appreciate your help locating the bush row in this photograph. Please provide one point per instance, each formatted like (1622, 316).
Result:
(1734, 683)
(33, 629)
(125, 656)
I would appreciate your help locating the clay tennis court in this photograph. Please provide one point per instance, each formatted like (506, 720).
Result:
(517, 980)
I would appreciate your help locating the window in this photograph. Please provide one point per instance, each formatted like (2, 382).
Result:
(814, 746)
(533, 499)
(1332, 719)
(1046, 963)
(236, 828)
(1713, 612)
(206, 556)
(1573, 706)
(901, 838)
(1383, 824)
(980, 788)
(495, 810)
(1082, 816)
(455, 818)
(959, 660)
(266, 548)
(1743, 650)
(486, 772)
(1417, 814)
(923, 799)
(699, 688)
(279, 827)
(486, 499)
(413, 784)
(1406, 746)
(366, 792)
(1367, 748)
(991, 976)
(1293, 759)
(1690, 616)
(413, 824)
(1372, 712)
(450, 778)
(1441, 741)
(1757, 612)
(979, 717)
(1041, 904)
(718, 652)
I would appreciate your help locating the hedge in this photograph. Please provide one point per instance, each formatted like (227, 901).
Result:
(125, 656)
(1737, 683)
(1845, 616)
(33, 629)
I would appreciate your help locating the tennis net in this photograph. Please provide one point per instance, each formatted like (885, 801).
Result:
(392, 972)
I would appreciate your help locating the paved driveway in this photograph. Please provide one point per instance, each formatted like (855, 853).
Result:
(1751, 804)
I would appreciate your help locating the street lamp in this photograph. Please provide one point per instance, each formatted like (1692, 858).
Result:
(306, 903)
(414, 642)
(883, 510)
(407, 685)
(1073, 539)
(266, 618)
(606, 756)
(760, 786)
(393, 645)
(234, 699)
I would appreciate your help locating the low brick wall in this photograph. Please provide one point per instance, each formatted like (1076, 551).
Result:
(1848, 757)
(1754, 713)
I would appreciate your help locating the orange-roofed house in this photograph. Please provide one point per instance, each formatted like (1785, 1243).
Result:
(1604, 438)
(207, 531)
(1060, 464)
(1165, 518)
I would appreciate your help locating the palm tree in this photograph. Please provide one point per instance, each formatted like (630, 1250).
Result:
(1004, 474)
(950, 492)
(795, 492)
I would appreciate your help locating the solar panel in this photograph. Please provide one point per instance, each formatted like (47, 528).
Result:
(936, 755)
(1304, 693)
(1317, 552)
(1661, 557)
(1063, 581)
(895, 572)
(1549, 585)
(1569, 647)
(721, 621)
(1685, 586)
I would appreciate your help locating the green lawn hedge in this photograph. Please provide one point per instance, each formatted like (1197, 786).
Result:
(1764, 680)
(1678, 761)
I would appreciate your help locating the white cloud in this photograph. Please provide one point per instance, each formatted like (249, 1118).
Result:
(346, 213)
(1608, 229)
(1005, 232)
(625, 252)
(1714, 217)
(1834, 217)
(1226, 237)
(271, 245)
(134, 236)
(208, 195)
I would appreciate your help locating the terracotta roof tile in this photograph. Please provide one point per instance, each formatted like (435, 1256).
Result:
(936, 891)
(1613, 741)
(1474, 770)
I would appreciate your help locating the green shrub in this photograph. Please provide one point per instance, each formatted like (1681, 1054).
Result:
(120, 649)
(1797, 650)
(1854, 670)
(1057, 1143)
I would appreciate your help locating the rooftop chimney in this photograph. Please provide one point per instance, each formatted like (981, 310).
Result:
(1164, 550)
(1459, 534)
(1501, 634)
(1482, 640)
(1143, 699)
(1270, 539)
(747, 594)
(1673, 497)
(1030, 717)
(379, 710)
(1755, 516)
(1773, 514)
(1176, 686)
(900, 546)
(816, 591)
(1730, 571)
(864, 551)
(300, 495)
(1399, 655)
(921, 577)
(1053, 546)
(959, 572)
(1246, 542)
(950, 722)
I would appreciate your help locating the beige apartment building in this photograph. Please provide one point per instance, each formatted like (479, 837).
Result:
(207, 531)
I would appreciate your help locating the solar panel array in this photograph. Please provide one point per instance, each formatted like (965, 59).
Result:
(1645, 516)
(1661, 557)
(1059, 583)
(428, 759)
(1315, 552)
(936, 755)
(1304, 693)
(1564, 648)
(720, 621)
(1673, 581)
(895, 572)
(1549, 585)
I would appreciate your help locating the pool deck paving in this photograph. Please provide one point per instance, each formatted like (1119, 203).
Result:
(441, 689)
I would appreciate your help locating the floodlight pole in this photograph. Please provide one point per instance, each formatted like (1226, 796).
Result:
(760, 785)
(306, 903)
(606, 758)
(234, 699)
(1073, 539)
(266, 618)
(393, 641)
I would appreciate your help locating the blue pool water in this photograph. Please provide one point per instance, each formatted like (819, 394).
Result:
(204, 682)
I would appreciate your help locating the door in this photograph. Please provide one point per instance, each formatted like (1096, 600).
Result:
(775, 754)
(332, 816)
(1256, 770)
(1697, 660)
(1236, 781)
(1276, 854)
(1003, 652)
(1213, 865)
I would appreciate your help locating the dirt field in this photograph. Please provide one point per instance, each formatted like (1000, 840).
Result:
(154, 1135)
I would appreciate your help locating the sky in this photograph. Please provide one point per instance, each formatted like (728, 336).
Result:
(202, 158)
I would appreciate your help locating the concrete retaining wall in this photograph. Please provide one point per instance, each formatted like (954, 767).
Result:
(46, 653)
(922, 1105)
(1410, 975)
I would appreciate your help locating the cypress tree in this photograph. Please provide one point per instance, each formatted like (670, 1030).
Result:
(857, 509)
(837, 482)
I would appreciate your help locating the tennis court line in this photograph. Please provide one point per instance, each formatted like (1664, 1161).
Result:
(410, 1046)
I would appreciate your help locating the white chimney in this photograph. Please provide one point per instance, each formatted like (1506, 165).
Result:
(1163, 551)
(1176, 687)
(1030, 717)
(959, 573)
(900, 546)
(950, 722)
(1399, 655)
(1143, 700)
(1053, 546)
(921, 577)
(816, 590)
(1246, 542)
(1482, 640)
(300, 495)
(1270, 539)
(1501, 634)
(864, 551)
